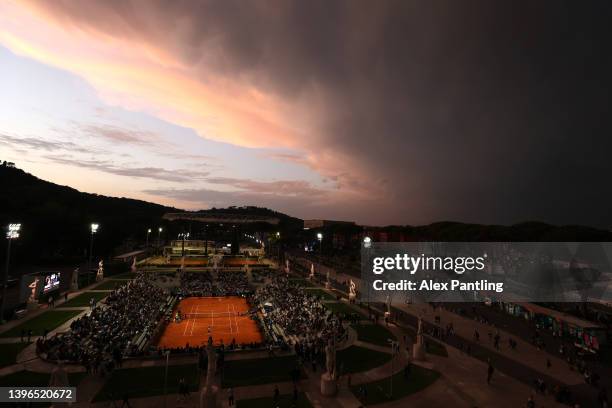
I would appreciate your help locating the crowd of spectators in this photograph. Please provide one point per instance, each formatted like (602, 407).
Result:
(100, 339)
(227, 283)
(301, 316)
(197, 284)
(233, 283)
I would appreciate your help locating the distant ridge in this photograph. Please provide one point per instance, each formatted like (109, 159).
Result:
(56, 221)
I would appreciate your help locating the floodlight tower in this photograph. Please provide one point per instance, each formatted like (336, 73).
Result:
(183, 236)
(206, 240)
(11, 234)
(159, 231)
(94, 229)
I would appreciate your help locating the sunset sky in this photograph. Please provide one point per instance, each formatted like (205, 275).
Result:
(381, 112)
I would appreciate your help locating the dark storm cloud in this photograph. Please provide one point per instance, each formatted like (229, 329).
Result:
(482, 111)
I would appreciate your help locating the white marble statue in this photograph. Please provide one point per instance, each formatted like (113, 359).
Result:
(74, 281)
(100, 273)
(352, 291)
(208, 396)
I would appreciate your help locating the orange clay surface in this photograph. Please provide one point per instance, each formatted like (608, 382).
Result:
(217, 317)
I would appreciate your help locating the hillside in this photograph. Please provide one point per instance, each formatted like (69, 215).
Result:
(56, 218)
(56, 222)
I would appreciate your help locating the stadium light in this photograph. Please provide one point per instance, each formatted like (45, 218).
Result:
(94, 229)
(159, 231)
(11, 234)
(13, 231)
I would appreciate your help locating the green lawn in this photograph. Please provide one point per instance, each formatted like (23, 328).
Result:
(258, 371)
(340, 308)
(320, 293)
(110, 284)
(302, 282)
(373, 333)
(147, 381)
(356, 359)
(285, 401)
(83, 299)
(9, 352)
(26, 378)
(47, 320)
(379, 391)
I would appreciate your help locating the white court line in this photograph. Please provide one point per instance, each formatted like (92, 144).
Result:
(193, 321)
(187, 325)
(235, 318)
(230, 319)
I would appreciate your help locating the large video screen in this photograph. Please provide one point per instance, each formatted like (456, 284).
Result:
(52, 282)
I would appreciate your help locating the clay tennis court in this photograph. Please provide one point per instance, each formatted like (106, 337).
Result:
(219, 317)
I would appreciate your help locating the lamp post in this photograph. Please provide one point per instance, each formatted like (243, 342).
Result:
(394, 351)
(367, 244)
(12, 233)
(320, 238)
(94, 228)
(183, 235)
(206, 240)
(147, 243)
(159, 231)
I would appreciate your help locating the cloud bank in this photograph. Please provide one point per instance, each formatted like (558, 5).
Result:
(483, 111)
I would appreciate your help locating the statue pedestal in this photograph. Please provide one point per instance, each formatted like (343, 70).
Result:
(352, 297)
(74, 286)
(209, 400)
(329, 387)
(418, 351)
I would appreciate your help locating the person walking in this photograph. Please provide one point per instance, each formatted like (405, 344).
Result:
(230, 397)
(126, 401)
